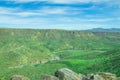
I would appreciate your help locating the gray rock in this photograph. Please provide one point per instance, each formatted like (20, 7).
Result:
(88, 77)
(19, 77)
(67, 74)
(100, 76)
(48, 77)
(105, 76)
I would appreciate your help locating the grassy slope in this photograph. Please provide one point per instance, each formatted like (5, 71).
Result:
(83, 52)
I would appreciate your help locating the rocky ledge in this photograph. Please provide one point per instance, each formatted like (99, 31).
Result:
(67, 74)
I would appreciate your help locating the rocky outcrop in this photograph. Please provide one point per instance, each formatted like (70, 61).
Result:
(67, 74)
(19, 77)
(101, 76)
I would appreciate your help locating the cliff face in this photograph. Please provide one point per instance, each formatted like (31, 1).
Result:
(67, 74)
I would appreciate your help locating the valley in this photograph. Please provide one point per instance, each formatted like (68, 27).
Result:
(31, 52)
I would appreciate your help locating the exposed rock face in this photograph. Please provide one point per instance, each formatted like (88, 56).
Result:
(100, 76)
(19, 77)
(67, 74)
(105, 76)
(48, 77)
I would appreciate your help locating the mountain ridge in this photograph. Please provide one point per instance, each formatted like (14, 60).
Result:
(92, 29)
(104, 30)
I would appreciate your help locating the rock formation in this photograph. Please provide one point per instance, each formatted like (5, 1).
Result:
(67, 74)
(100, 76)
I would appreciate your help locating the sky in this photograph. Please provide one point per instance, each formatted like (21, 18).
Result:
(60, 14)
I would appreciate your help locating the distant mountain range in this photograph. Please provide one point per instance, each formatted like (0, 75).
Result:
(104, 30)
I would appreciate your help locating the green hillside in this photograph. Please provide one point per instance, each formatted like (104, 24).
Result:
(31, 52)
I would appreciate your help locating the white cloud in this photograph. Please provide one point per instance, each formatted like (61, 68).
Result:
(53, 23)
(44, 11)
(26, 14)
(59, 1)
(53, 10)
(6, 10)
(72, 1)
(39, 12)
(42, 23)
(68, 1)
(16, 20)
(26, 1)
(101, 19)
(15, 16)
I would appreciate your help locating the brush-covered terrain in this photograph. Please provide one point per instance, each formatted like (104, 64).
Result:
(31, 52)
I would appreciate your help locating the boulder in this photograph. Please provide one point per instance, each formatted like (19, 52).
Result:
(48, 77)
(106, 76)
(19, 77)
(67, 74)
(88, 77)
(100, 76)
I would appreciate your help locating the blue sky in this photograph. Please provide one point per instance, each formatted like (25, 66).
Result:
(60, 14)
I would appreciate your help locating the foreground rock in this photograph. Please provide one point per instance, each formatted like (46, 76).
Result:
(48, 77)
(105, 76)
(67, 74)
(19, 77)
(101, 76)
